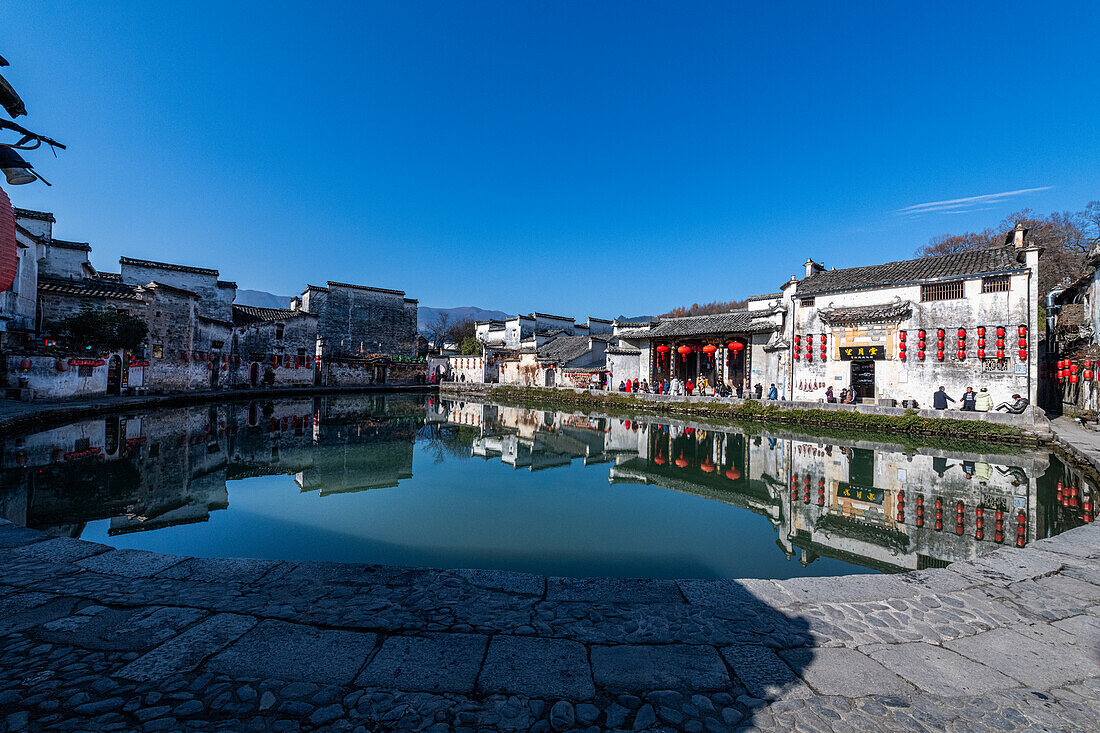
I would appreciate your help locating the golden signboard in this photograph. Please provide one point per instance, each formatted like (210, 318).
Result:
(868, 351)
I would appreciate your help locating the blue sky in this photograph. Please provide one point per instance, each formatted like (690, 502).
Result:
(570, 157)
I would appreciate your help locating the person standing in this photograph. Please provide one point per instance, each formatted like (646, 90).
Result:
(759, 389)
(941, 398)
(773, 393)
(829, 394)
(968, 399)
(984, 401)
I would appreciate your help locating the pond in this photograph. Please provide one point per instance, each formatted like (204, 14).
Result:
(412, 479)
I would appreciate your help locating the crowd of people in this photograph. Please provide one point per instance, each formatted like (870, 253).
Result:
(970, 401)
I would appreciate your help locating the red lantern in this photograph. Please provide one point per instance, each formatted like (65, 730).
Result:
(920, 334)
(901, 354)
(1073, 368)
(981, 353)
(901, 335)
(962, 354)
(736, 346)
(920, 354)
(1073, 379)
(662, 349)
(1000, 343)
(1087, 374)
(962, 343)
(1000, 353)
(981, 341)
(1023, 354)
(939, 344)
(939, 333)
(1000, 332)
(939, 355)
(962, 333)
(1022, 330)
(710, 349)
(683, 351)
(1022, 343)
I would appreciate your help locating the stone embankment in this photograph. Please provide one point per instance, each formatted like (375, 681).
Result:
(1030, 427)
(25, 417)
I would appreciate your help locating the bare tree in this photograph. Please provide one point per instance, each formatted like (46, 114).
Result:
(1066, 238)
(705, 309)
(438, 329)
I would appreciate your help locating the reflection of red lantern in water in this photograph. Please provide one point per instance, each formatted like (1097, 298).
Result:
(733, 474)
(660, 459)
(681, 461)
(707, 465)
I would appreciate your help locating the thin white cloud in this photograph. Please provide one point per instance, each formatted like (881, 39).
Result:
(970, 203)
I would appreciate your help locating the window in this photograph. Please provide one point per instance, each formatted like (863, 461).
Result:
(995, 284)
(84, 371)
(807, 302)
(158, 351)
(82, 444)
(942, 291)
(217, 345)
(279, 331)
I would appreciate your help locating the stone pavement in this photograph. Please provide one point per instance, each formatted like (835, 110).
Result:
(96, 639)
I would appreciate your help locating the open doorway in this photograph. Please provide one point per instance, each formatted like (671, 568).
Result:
(863, 379)
(114, 375)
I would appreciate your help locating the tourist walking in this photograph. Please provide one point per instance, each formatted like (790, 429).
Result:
(941, 398)
(829, 397)
(690, 387)
(968, 399)
(1019, 404)
(984, 401)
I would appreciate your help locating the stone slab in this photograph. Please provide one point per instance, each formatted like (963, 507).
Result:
(505, 581)
(186, 651)
(224, 570)
(848, 589)
(429, 663)
(728, 593)
(612, 590)
(294, 652)
(642, 668)
(937, 670)
(846, 672)
(115, 629)
(26, 610)
(12, 536)
(543, 668)
(1036, 663)
(763, 673)
(1008, 565)
(130, 563)
(62, 549)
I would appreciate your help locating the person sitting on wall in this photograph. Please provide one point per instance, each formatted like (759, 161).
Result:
(941, 398)
(629, 386)
(850, 398)
(910, 403)
(1017, 407)
(645, 385)
(635, 384)
(984, 401)
(968, 399)
(622, 386)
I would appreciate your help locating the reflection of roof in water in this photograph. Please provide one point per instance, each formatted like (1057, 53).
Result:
(744, 493)
(343, 468)
(801, 539)
(859, 529)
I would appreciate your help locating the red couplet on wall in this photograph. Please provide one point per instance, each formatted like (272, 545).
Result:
(9, 256)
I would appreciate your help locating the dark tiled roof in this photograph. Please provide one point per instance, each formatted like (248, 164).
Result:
(563, 349)
(743, 321)
(553, 332)
(166, 266)
(866, 313)
(244, 315)
(226, 284)
(65, 244)
(32, 214)
(767, 296)
(556, 318)
(332, 284)
(154, 285)
(112, 276)
(628, 350)
(93, 288)
(957, 264)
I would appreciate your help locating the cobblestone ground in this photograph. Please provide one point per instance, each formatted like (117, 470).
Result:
(96, 639)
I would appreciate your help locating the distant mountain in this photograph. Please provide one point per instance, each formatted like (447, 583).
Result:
(425, 315)
(261, 299)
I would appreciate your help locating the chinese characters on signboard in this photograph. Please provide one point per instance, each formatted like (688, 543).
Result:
(868, 494)
(869, 351)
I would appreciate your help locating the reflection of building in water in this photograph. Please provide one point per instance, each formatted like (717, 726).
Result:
(881, 506)
(170, 467)
(872, 504)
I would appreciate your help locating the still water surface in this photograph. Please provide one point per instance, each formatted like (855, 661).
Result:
(409, 479)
